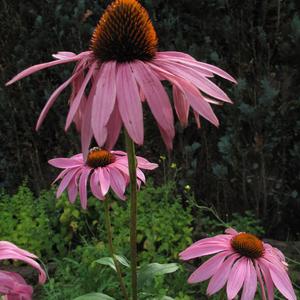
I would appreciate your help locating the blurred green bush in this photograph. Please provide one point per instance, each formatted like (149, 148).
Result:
(47, 226)
(24, 221)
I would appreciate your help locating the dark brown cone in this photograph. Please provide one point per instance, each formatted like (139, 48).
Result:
(124, 33)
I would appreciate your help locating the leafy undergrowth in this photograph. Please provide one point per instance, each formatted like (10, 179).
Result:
(73, 240)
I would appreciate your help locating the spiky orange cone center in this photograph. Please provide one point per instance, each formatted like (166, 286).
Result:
(248, 245)
(98, 157)
(124, 33)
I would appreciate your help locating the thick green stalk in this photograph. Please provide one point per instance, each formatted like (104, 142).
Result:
(133, 212)
(111, 249)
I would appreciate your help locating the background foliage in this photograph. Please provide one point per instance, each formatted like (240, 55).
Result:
(72, 241)
(250, 163)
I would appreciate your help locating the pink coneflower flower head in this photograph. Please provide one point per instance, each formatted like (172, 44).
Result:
(122, 70)
(12, 285)
(240, 261)
(102, 168)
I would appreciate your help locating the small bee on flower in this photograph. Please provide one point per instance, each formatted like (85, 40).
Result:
(102, 168)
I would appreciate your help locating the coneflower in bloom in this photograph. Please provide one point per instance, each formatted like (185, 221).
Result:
(12, 285)
(241, 260)
(105, 169)
(123, 69)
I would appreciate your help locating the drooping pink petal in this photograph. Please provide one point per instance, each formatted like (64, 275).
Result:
(14, 287)
(117, 182)
(63, 55)
(121, 166)
(86, 125)
(250, 283)
(95, 186)
(267, 279)
(130, 106)
(190, 61)
(182, 107)
(275, 257)
(204, 249)
(11, 254)
(219, 279)
(78, 157)
(83, 186)
(167, 137)
(231, 231)
(76, 85)
(104, 100)
(196, 79)
(75, 104)
(192, 95)
(104, 179)
(72, 190)
(78, 116)
(42, 66)
(5, 245)
(140, 175)
(197, 119)
(216, 71)
(276, 253)
(281, 280)
(209, 268)
(63, 163)
(65, 181)
(201, 106)
(86, 130)
(184, 64)
(174, 54)
(216, 240)
(114, 126)
(119, 153)
(60, 175)
(142, 96)
(156, 96)
(260, 280)
(212, 101)
(236, 277)
(145, 164)
(52, 99)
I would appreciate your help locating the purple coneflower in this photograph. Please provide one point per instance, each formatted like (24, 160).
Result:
(241, 259)
(12, 285)
(105, 169)
(122, 70)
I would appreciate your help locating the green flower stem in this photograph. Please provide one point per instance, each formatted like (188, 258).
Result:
(133, 212)
(111, 249)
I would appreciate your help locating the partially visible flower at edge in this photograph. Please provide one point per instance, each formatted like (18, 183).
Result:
(12, 285)
(105, 168)
(123, 69)
(241, 260)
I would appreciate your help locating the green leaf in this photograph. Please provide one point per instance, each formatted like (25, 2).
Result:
(106, 261)
(94, 296)
(148, 272)
(123, 260)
